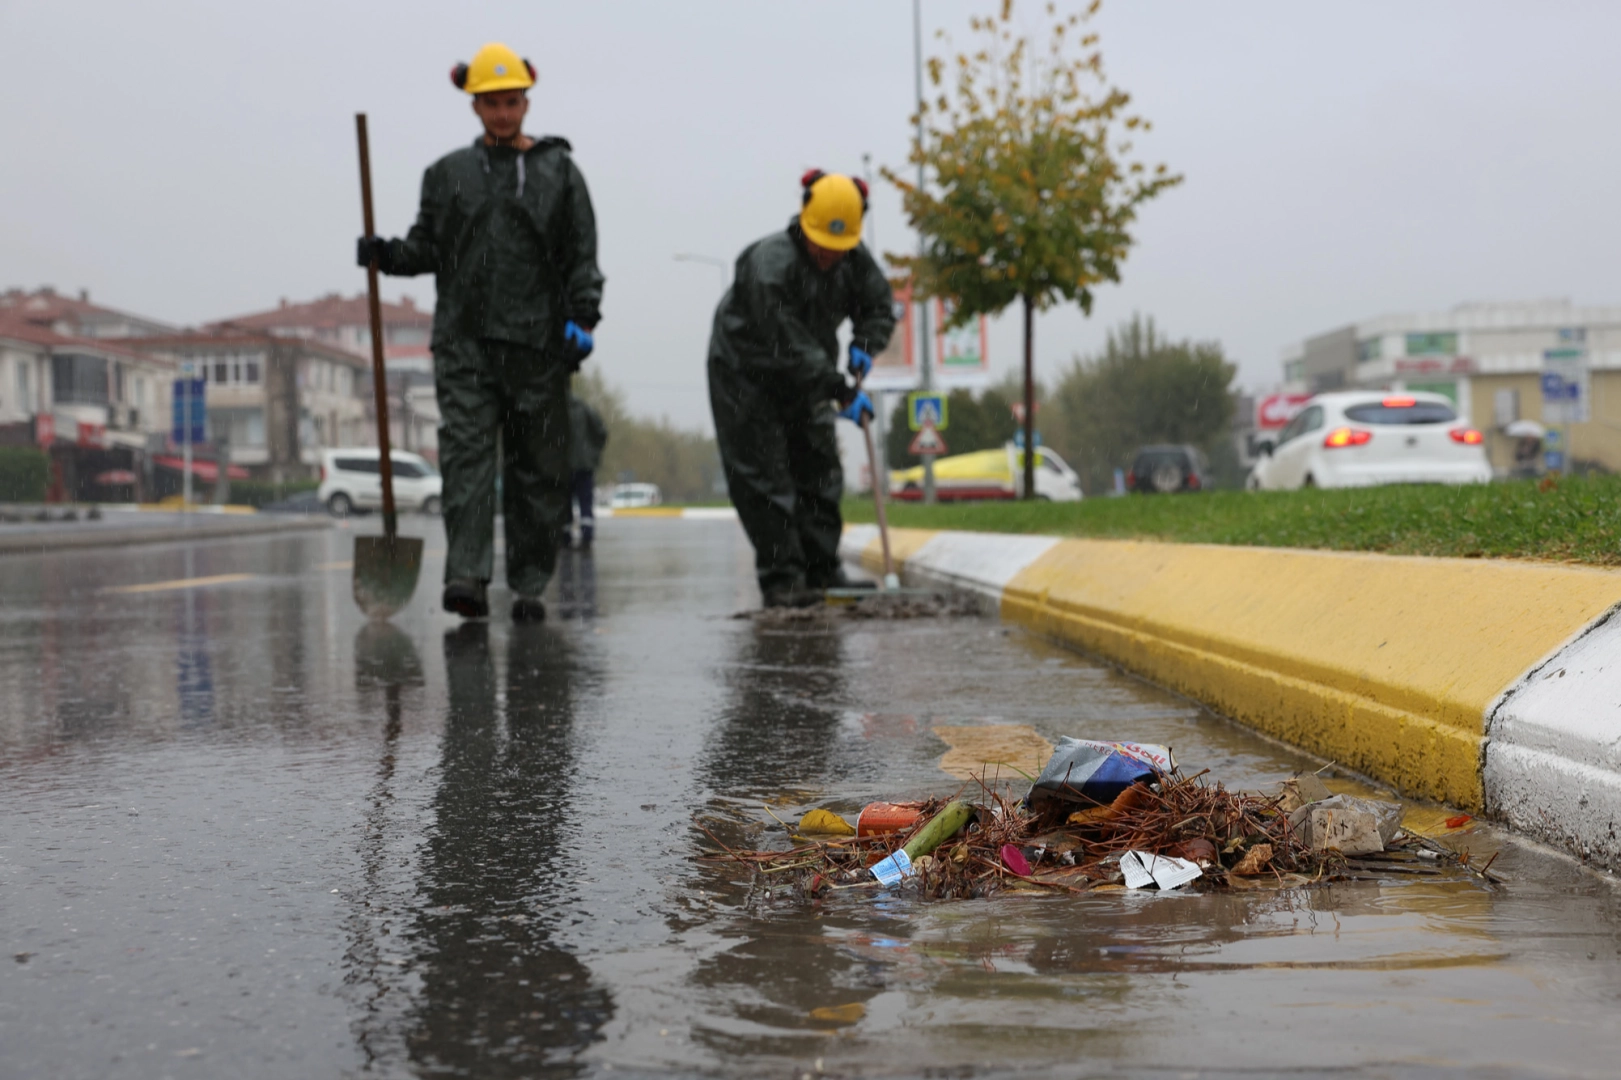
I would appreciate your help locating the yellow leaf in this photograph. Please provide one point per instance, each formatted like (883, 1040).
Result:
(840, 1014)
(825, 823)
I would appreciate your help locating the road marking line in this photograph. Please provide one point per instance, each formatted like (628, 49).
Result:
(182, 583)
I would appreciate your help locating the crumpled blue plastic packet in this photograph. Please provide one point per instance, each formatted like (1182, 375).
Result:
(1086, 773)
(891, 870)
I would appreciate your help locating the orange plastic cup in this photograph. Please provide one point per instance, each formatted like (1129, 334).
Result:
(887, 817)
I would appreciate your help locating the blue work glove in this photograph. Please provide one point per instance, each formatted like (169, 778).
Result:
(578, 343)
(860, 362)
(859, 410)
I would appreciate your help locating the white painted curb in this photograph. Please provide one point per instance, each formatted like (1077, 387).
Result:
(1553, 748)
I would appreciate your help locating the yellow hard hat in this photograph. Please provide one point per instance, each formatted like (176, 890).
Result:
(494, 67)
(833, 206)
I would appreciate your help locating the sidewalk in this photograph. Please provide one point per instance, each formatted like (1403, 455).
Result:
(1488, 684)
(127, 525)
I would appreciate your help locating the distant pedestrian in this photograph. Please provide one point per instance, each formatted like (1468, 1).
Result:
(588, 435)
(774, 374)
(506, 227)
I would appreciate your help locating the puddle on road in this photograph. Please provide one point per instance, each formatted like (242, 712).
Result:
(238, 826)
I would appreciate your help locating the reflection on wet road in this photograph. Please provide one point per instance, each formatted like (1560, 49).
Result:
(243, 833)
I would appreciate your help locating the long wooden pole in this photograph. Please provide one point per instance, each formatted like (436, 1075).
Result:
(379, 377)
(878, 485)
(1029, 400)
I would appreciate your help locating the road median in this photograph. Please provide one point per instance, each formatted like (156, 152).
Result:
(122, 528)
(1419, 672)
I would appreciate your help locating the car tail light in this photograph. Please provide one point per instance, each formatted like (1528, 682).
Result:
(1399, 402)
(1467, 435)
(323, 474)
(1342, 437)
(1193, 482)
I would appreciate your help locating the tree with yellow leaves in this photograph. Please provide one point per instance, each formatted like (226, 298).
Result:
(1033, 192)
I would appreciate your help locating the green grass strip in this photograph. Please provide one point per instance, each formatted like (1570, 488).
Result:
(1569, 520)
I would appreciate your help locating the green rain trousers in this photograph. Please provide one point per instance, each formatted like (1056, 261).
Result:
(773, 372)
(487, 386)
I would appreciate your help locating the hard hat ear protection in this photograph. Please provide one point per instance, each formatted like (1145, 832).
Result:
(808, 181)
(458, 74)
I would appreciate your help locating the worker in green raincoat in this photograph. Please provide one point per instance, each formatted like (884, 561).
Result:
(774, 379)
(506, 227)
(588, 437)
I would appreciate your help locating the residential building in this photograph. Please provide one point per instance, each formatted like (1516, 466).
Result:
(276, 402)
(345, 323)
(1490, 359)
(95, 405)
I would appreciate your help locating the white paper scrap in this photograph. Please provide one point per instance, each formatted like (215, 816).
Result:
(893, 869)
(1168, 872)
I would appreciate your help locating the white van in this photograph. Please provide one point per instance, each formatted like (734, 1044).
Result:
(350, 481)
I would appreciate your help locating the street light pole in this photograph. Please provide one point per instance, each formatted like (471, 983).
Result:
(722, 265)
(924, 361)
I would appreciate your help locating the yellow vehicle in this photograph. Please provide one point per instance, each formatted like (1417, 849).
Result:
(989, 474)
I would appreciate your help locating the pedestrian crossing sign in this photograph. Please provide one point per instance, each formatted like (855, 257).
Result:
(925, 408)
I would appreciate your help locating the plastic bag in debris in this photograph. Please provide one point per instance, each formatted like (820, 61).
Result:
(1346, 824)
(1088, 773)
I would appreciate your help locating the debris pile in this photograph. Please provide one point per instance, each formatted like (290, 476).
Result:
(1101, 815)
(906, 604)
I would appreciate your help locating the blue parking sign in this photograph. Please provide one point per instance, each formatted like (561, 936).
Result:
(190, 395)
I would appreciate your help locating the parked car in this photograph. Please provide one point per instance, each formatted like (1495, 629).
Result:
(1359, 438)
(635, 496)
(351, 481)
(1167, 469)
(989, 474)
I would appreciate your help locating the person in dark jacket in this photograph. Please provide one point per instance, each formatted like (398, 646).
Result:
(774, 376)
(506, 227)
(587, 437)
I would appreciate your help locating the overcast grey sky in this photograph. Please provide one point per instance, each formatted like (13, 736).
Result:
(196, 160)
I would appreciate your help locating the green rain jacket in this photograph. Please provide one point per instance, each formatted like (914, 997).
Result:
(781, 317)
(587, 436)
(511, 240)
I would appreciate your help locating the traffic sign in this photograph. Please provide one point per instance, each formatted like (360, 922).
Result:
(926, 409)
(189, 397)
(1565, 391)
(928, 441)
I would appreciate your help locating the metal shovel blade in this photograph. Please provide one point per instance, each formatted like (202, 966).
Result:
(386, 573)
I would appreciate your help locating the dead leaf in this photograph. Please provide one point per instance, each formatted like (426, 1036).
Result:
(1255, 860)
(825, 823)
(840, 1014)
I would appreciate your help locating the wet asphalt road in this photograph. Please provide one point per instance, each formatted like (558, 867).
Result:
(244, 834)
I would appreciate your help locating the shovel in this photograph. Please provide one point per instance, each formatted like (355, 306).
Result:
(387, 566)
(892, 581)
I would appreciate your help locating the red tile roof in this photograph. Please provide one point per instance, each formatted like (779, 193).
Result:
(330, 312)
(217, 336)
(36, 333)
(46, 305)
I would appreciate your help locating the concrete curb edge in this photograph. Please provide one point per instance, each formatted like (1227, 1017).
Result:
(1516, 715)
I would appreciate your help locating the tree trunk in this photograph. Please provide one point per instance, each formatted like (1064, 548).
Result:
(1029, 399)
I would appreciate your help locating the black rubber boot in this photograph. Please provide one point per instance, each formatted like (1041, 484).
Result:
(841, 580)
(467, 598)
(793, 598)
(528, 609)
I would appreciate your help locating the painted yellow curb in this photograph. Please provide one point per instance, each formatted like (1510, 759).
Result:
(649, 512)
(1385, 664)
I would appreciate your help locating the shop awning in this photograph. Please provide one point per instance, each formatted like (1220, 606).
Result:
(203, 470)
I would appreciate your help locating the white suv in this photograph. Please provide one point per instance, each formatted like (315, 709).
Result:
(350, 481)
